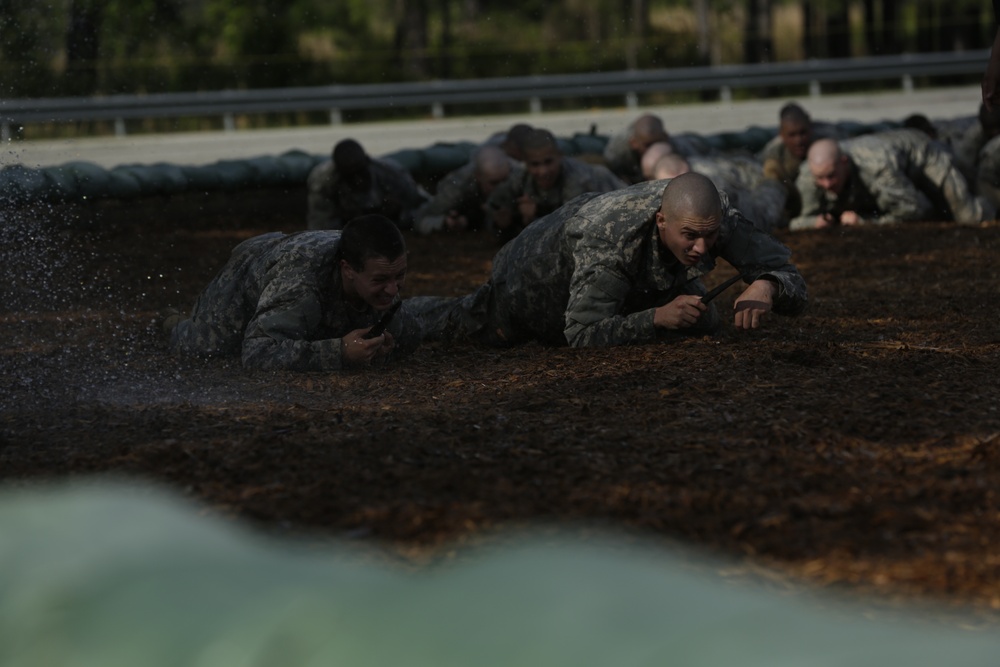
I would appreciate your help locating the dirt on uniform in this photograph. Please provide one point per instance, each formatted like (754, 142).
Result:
(857, 445)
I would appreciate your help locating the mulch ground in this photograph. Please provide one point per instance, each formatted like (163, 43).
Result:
(857, 445)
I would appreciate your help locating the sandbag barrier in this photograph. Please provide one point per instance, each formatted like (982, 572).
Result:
(81, 180)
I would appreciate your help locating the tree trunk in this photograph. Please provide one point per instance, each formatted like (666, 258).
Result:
(411, 37)
(757, 45)
(808, 31)
(82, 46)
(704, 32)
(446, 40)
(838, 30)
(638, 28)
(891, 38)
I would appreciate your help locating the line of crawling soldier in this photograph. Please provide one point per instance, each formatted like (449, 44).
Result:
(596, 250)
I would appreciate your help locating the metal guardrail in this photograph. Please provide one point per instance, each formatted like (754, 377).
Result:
(533, 89)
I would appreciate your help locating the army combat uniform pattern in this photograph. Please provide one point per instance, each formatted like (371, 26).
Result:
(896, 176)
(626, 165)
(576, 178)
(780, 165)
(279, 303)
(988, 171)
(392, 192)
(457, 191)
(592, 273)
(760, 200)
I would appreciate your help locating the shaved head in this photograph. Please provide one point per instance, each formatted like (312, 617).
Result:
(670, 166)
(793, 113)
(691, 195)
(492, 167)
(647, 129)
(823, 152)
(652, 155)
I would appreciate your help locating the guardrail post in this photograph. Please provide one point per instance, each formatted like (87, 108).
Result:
(5, 132)
(631, 100)
(536, 105)
(335, 117)
(725, 94)
(814, 89)
(119, 127)
(907, 83)
(228, 122)
(437, 110)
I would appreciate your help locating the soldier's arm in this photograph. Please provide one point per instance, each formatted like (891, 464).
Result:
(501, 208)
(287, 318)
(321, 212)
(759, 255)
(597, 293)
(811, 205)
(898, 199)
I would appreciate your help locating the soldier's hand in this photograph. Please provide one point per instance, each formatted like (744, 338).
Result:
(850, 218)
(358, 351)
(527, 207)
(388, 343)
(824, 221)
(680, 313)
(751, 306)
(455, 222)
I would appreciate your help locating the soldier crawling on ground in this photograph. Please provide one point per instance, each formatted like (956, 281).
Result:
(620, 268)
(761, 200)
(352, 184)
(547, 181)
(887, 177)
(304, 301)
(624, 150)
(783, 156)
(460, 200)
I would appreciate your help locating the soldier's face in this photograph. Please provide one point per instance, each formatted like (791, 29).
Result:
(379, 282)
(544, 165)
(830, 175)
(689, 238)
(796, 137)
(490, 180)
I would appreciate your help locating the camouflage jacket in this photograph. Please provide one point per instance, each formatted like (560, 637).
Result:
(591, 273)
(894, 177)
(279, 302)
(456, 191)
(782, 166)
(760, 200)
(577, 177)
(393, 193)
(988, 171)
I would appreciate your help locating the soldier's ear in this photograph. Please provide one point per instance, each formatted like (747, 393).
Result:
(661, 220)
(347, 271)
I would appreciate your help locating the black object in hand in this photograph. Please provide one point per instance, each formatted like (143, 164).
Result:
(720, 288)
(379, 328)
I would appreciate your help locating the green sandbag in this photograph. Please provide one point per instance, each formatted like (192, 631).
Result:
(20, 184)
(202, 178)
(410, 159)
(122, 184)
(588, 143)
(91, 180)
(298, 164)
(234, 174)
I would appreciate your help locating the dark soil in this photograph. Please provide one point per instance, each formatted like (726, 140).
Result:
(857, 445)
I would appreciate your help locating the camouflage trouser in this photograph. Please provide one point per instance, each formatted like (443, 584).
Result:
(489, 315)
(945, 178)
(221, 313)
(764, 206)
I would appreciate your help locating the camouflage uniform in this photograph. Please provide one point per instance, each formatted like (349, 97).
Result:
(457, 191)
(760, 200)
(626, 164)
(392, 193)
(279, 301)
(895, 176)
(962, 137)
(576, 178)
(988, 172)
(780, 165)
(592, 273)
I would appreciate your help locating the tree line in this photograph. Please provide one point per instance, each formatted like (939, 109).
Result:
(90, 47)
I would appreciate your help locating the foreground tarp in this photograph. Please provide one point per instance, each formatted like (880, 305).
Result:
(107, 575)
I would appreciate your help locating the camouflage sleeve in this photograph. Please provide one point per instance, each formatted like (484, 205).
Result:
(603, 180)
(757, 254)
(810, 195)
(772, 169)
(504, 198)
(449, 197)
(288, 315)
(598, 289)
(321, 214)
(898, 199)
(402, 193)
(407, 332)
